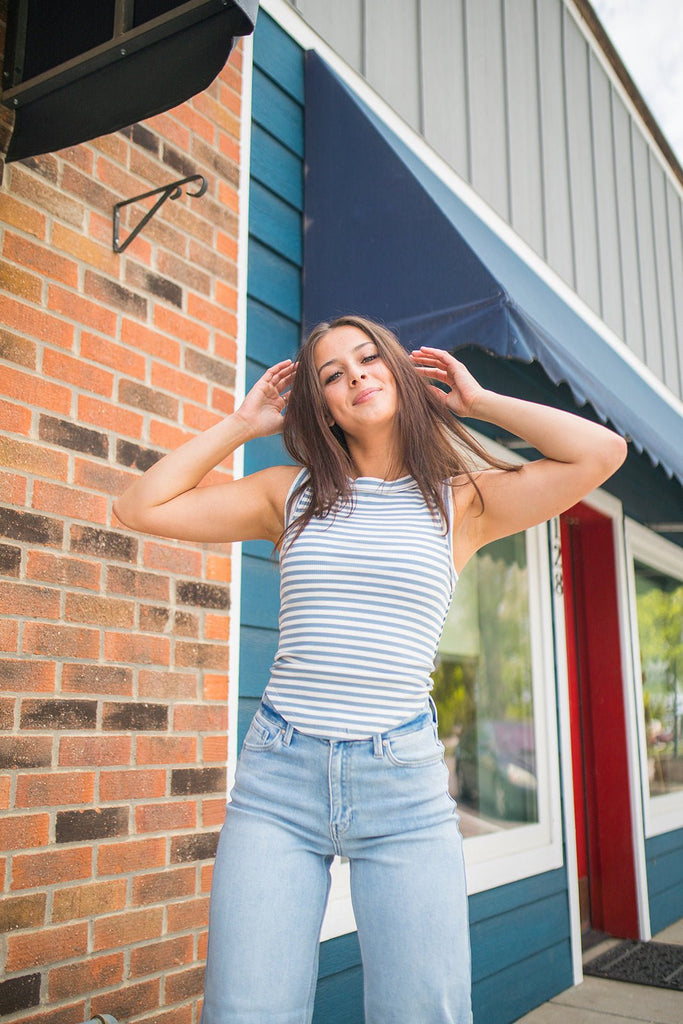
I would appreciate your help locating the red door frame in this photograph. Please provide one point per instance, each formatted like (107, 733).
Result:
(602, 803)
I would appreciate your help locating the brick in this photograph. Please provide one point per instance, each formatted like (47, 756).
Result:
(196, 418)
(92, 751)
(58, 713)
(222, 400)
(22, 911)
(128, 1001)
(28, 675)
(201, 718)
(109, 416)
(182, 327)
(204, 595)
(171, 884)
(46, 165)
(104, 611)
(17, 350)
(74, 572)
(19, 993)
(215, 686)
(137, 649)
(161, 956)
(154, 619)
(64, 942)
(9, 635)
(213, 813)
(225, 347)
(166, 749)
(119, 547)
(169, 128)
(33, 458)
(23, 831)
(132, 393)
(40, 258)
(20, 282)
(197, 780)
(89, 189)
(51, 867)
(209, 655)
(179, 383)
(188, 914)
(91, 824)
(184, 271)
(121, 358)
(60, 641)
(135, 456)
(225, 169)
(155, 284)
(77, 371)
(131, 855)
(132, 784)
(10, 560)
(114, 294)
(93, 973)
(35, 391)
(43, 196)
(177, 160)
(29, 601)
(13, 488)
(7, 713)
(215, 748)
(142, 136)
(32, 529)
(69, 501)
(155, 343)
(82, 311)
(168, 685)
(25, 752)
(173, 558)
(85, 248)
(90, 900)
(185, 624)
(107, 679)
(129, 716)
(73, 1013)
(168, 816)
(206, 312)
(73, 436)
(22, 216)
(227, 245)
(36, 323)
(167, 436)
(55, 788)
(97, 476)
(138, 583)
(184, 984)
(200, 846)
(212, 369)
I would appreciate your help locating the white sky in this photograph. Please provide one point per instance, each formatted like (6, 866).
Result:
(648, 35)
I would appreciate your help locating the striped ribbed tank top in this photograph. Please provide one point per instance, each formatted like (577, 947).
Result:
(364, 595)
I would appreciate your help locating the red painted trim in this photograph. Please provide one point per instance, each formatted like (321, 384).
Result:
(597, 702)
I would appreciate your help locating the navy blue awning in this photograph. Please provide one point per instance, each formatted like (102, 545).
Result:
(386, 238)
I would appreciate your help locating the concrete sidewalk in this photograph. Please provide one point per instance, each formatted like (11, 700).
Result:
(597, 1001)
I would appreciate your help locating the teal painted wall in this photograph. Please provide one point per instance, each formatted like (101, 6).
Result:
(664, 857)
(521, 952)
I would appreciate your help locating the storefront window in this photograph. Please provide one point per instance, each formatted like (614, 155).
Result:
(483, 690)
(659, 605)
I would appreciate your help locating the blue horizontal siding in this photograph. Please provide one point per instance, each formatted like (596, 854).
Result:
(271, 336)
(275, 223)
(279, 56)
(664, 858)
(274, 281)
(277, 113)
(257, 650)
(274, 165)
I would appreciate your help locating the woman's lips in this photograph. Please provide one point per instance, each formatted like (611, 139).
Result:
(364, 395)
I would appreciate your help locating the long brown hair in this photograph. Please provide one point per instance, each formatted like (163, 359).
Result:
(433, 445)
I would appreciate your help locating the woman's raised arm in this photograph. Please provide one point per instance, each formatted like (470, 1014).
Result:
(579, 455)
(168, 501)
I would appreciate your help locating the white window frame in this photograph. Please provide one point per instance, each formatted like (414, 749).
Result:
(661, 813)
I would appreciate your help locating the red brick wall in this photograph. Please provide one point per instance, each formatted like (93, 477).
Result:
(113, 646)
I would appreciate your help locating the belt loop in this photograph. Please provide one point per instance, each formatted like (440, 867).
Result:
(377, 746)
(433, 707)
(287, 738)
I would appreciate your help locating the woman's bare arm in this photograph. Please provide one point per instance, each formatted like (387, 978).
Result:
(168, 500)
(578, 456)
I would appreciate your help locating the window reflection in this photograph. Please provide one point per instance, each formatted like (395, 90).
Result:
(659, 603)
(484, 694)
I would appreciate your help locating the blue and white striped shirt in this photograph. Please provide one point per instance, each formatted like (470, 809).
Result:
(364, 595)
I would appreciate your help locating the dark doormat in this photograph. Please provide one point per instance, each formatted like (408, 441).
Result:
(641, 963)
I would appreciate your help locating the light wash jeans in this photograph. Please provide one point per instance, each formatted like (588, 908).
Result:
(383, 803)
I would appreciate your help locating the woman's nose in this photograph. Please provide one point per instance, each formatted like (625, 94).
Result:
(361, 375)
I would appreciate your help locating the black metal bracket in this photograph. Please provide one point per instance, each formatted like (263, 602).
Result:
(172, 191)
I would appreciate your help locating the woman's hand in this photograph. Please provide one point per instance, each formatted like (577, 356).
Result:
(465, 392)
(263, 405)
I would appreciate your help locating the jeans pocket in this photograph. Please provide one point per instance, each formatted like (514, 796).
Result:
(262, 734)
(416, 749)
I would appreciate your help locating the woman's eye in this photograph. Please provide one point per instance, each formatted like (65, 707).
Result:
(333, 377)
(369, 359)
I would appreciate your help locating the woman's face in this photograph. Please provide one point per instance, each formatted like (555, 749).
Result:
(358, 387)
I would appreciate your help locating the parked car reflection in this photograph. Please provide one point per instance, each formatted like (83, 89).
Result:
(495, 770)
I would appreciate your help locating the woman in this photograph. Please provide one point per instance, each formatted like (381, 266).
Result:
(343, 757)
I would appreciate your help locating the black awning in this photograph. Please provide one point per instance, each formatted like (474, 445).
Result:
(120, 85)
(386, 238)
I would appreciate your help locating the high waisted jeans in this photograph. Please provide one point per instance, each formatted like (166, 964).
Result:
(383, 803)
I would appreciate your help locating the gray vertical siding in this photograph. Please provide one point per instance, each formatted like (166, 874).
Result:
(512, 95)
